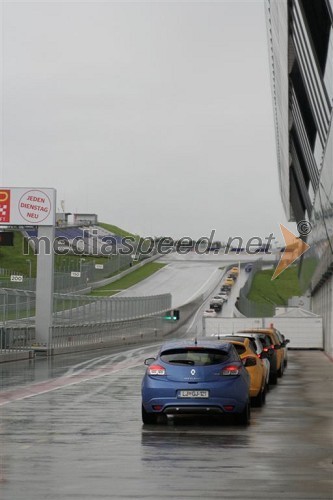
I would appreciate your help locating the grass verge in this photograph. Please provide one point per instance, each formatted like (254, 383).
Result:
(278, 291)
(131, 279)
(115, 229)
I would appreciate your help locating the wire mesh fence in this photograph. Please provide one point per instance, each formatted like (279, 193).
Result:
(80, 321)
(72, 274)
(18, 305)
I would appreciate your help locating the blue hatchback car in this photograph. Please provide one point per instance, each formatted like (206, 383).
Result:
(195, 377)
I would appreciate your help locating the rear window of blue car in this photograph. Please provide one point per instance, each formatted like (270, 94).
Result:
(199, 356)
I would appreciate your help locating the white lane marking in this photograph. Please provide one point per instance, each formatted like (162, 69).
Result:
(203, 286)
(82, 375)
(194, 318)
(62, 382)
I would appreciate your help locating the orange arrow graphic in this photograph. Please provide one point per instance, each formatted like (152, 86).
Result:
(294, 248)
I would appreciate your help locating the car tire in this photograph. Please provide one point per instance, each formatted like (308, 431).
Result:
(273, 378)
(244, 417)
(259, 400)
(280, 372)
(148, 418)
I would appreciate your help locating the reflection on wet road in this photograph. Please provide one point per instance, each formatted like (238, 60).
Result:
(86, 440)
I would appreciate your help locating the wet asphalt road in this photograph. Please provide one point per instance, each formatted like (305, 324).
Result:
(71, 428)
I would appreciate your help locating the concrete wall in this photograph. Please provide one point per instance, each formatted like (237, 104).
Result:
(303, 333)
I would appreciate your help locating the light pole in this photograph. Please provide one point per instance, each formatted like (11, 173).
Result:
(81, 260)
(29, 262)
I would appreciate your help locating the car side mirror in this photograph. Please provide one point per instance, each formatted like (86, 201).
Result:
(250, 361)
(149, 361)
(283, 344)
(287, 341)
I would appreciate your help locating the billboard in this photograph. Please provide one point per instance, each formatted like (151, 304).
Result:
(27, 206)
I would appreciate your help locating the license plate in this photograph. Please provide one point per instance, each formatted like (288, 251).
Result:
(193, 394)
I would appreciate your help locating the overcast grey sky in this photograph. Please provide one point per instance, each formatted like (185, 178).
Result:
(157, 116)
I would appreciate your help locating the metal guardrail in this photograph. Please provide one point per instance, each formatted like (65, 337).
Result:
(67, 338)
(83, 323)
(19, 305)
(92, 323)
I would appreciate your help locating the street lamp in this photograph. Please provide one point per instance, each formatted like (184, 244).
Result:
(81, 260)
(29, 262)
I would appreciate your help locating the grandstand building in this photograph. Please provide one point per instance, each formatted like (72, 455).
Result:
(300, 37)
(85, 219)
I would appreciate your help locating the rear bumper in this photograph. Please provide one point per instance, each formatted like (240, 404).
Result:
(193, 410)
(179, 406)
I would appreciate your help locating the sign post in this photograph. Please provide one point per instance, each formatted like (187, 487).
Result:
(35, 207)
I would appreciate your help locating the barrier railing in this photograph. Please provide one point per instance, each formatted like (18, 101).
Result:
(18, 305)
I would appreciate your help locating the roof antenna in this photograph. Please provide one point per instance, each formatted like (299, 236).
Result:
(195, 341)
(218, 335)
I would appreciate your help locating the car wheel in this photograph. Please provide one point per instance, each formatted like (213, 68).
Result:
(259, 400)
(244, 417)
(148, 418)
(264, 392)
(280, 372)
(273, 378)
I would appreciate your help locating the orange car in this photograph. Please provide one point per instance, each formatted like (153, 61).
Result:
(276, 344)
(254, 366)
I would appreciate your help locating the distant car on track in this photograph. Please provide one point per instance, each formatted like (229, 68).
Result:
(217, 299)
(209, 313)
(216, 306)
(204, 377)
(223, 295)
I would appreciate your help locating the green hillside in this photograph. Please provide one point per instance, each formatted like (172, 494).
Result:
(14, 258)
(277, 291)
(115, 229)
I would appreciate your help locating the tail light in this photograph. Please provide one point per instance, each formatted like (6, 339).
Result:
(230, 370)
(228, 407)
(156, 370)
(157, 407)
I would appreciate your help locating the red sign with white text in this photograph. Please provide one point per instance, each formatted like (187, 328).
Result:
(27, 206)
(4, 205)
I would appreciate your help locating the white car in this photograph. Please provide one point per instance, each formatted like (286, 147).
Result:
(217, 300)
(209, 313)
(224, 296)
